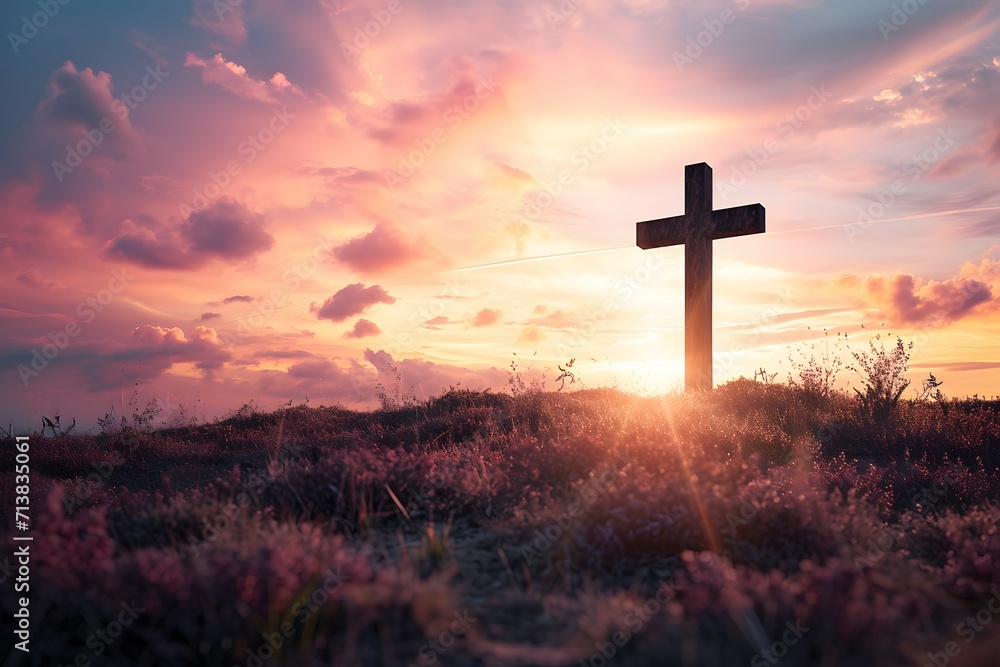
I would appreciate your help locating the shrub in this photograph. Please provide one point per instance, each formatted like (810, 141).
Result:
(881, 374)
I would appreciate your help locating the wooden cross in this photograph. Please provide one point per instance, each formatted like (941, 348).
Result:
(696, 230)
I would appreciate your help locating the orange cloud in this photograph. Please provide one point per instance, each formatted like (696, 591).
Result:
(531, 334)
(382, 249)
(486, 317)
(908, 300)
(363, 329)
(556, 320)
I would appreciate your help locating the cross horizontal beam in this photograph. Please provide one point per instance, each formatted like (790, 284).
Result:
(725, 223)
(738, 221)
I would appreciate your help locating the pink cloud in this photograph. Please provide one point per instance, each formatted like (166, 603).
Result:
(349, 382)
(228, 230)
(907, 300)
(400, 123)
(33, 278)
(234, 78)
(486, 317)
(224, 230)
(349, 176)
(351, 300)
(382, 249)
(313, 368)
(155, 349)
(363, 329)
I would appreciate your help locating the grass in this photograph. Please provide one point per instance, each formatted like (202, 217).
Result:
(587, 527)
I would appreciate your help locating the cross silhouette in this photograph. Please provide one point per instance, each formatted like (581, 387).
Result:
(696, 230)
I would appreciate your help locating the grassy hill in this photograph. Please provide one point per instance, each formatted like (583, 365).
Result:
(759, 524)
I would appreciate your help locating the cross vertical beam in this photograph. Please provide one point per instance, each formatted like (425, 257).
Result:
(698, 278)
(696, 230)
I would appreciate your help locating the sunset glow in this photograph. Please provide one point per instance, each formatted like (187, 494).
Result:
(277, 200)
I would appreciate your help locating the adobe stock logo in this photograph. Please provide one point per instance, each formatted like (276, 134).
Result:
(248, 149)
(779, 649)
(699, 43)
(94, 137)
(381, 18)
(31, 25)
(900, 16)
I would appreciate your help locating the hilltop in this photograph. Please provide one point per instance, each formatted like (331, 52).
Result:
(755, 523)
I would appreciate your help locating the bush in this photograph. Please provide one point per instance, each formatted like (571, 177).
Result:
(881, 374)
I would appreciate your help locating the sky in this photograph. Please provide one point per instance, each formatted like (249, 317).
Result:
(224, 201)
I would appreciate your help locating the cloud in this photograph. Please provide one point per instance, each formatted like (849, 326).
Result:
(351, 300)
(512, 181)
(363, 329)
(239, 298)
(77, 98)
(204, 343)
(142, 245)
(227, 19)
(987, 270)
(958, 366)
(993, 151)
(320, 378)
(34, 278)
(531, 334)
(234, 79)
(424, 379)
(282, 354)
(906, 300)
(486, 317)
(224, 230)
(382, 249)
(227, 230)
(81, 100)
(435, 323)
(314, 368)
(148, 45)
(349, 176)
(557, 320)
(205, 317)
(400, 123)
(515, 174)
(155, 349)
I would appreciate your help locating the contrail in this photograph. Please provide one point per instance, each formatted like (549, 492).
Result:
(878, 222)
(542, 258)
(580, 253)
(511, 262)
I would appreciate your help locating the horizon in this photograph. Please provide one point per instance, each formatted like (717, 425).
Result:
(239, 201)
